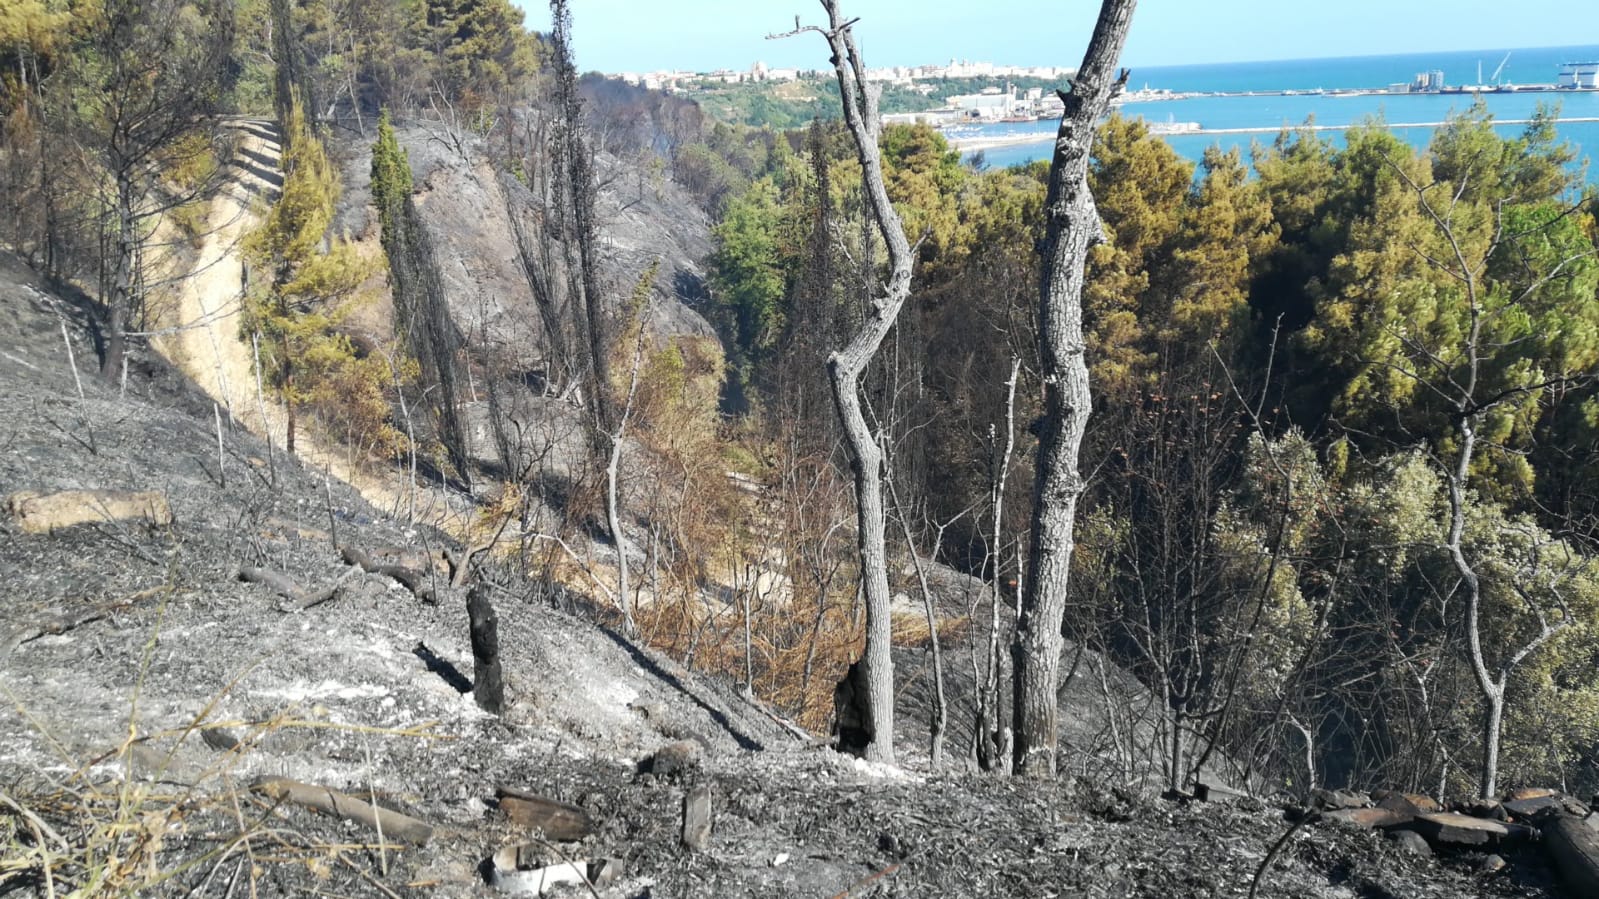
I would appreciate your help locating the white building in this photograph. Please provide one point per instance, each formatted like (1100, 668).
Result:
(967, 69)
(938, 118)
(990, 105)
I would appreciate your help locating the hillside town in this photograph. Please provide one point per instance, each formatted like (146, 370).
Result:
(760, 73)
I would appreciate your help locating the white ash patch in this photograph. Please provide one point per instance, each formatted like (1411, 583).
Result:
(300, 691)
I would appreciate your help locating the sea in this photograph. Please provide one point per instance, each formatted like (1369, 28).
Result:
(1403, 113)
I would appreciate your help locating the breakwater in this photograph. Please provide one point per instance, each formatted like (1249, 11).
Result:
(971, 144)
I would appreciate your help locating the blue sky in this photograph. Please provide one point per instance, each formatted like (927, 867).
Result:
(647, 35)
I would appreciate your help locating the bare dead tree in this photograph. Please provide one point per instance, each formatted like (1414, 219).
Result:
(938, 723)
(1072, 227)
(845, 368)
(1469, 393)
(992, 745)
(642, 295)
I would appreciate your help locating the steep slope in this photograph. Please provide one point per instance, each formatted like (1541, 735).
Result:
(152, 686)
(159, 636)
(467, 206)
(200, 332)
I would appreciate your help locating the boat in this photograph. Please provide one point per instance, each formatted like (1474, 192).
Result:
(1578, 76)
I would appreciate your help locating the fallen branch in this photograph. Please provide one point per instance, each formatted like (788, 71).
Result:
(50, 627)
(557, 820)
(867, 881)
(44, 513)
(404, 556)
(299, 598)
(281, 584)
(1277, 848)
(793, 729)
(61, 623)
(413, 580)
(389, 823)
(610, 595)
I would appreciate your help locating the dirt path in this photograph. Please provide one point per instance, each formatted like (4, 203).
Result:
(204, 337)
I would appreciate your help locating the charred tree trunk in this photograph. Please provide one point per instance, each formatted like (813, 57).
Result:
(422, 317)
(289, 80)
(488, 685)
(288, 394)
(125, 269)
(1072, 227)
(575, 217)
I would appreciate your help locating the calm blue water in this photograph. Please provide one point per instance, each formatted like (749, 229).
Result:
(1525, 66)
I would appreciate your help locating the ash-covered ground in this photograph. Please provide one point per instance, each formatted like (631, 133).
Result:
(147, 686)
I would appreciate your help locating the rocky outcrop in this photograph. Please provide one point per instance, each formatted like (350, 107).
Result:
(467, 207)
(483, 230)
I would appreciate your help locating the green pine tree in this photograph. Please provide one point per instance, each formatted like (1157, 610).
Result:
(310, 290)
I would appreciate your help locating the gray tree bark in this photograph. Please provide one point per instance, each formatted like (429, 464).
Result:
(992, 744)
(845, 367)
(1072, 227)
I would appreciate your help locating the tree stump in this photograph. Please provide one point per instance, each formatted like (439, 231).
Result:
(488, 685)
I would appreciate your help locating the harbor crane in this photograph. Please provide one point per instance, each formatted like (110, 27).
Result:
(1495, 79)
(1501, 68)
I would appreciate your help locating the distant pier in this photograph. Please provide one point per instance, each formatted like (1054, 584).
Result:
(991, 142)
(1576, 120)
(1156, 96)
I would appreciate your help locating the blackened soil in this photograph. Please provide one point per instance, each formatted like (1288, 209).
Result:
(146, 686)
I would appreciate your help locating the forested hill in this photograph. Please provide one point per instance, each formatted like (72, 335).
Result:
(766, 405)
(1317, 373)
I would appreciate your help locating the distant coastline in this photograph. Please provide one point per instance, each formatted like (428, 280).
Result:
(1196, 108)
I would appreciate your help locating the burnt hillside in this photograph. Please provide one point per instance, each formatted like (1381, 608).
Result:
(155, 686)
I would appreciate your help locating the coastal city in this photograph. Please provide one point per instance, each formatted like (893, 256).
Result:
(906, 75)
(1017, 104)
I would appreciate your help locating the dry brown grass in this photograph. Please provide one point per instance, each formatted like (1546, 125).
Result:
(794, 655)
(910, 629)
(88, 836)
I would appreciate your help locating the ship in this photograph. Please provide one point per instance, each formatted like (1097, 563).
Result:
(1578, 76)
